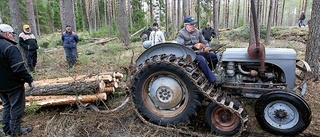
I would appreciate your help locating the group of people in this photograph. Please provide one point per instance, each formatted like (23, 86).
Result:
(14, 73)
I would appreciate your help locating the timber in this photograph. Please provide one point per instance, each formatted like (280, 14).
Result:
(68, 90)
(74, 88)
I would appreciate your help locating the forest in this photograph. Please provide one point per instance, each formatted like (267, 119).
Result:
(110, 41)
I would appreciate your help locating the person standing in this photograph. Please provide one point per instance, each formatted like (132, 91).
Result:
(13, 75)
(156, 35)
(70, 40)
(28, 42)
(208, 33)
(302, 18)
(192, 38)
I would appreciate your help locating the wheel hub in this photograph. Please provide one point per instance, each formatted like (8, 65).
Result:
(281, 114)
(166, 92)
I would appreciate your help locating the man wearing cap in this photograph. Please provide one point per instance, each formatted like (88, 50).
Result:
(192, 38)
(28, 42)
(156, 35)
(208, 33)
(13, 75)
(70, 40)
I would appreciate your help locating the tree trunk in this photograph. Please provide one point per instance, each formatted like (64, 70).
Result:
(267, 40)
(313, 44)
(151, 11)
(109, 17)
(130, 14)
(15, 16)
(167, 17)
(47, 101)
(275, 15)
(216, 17)
(198, 10)
(123, 26)
(179, 14)
(185, 8)
(227, 14)
(31, 18)
(156, 11)
(74, 88)
(282, 13)
(174, 19)
(67, 14)
(237, 14)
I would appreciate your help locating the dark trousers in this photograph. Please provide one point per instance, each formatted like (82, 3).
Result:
(203, 65)
(13, 103)
(211, 59)
(71, 55)
(31, 57)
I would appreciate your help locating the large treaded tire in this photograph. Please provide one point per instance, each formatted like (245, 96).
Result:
(292, 109)
(189, 105)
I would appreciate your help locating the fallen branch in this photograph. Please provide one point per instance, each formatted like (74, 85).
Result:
(111, 110)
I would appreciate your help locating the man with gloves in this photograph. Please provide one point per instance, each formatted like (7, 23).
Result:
(13, 75)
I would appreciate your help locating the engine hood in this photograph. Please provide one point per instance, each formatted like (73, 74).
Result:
(240, 54)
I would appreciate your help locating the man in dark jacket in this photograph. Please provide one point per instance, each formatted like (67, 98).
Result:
(70, 40)
(208, 33)
(29, 44)
(13, 75)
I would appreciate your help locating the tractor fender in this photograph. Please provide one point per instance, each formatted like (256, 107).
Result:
(166, 48)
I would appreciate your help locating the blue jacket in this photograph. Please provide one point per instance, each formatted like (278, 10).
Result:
(69, 40)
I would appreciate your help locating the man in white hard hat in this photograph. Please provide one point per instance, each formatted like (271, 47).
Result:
(13, 75)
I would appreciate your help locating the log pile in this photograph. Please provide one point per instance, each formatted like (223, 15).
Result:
(68, 90)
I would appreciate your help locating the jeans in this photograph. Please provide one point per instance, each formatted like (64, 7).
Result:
(71, 55)
(203, 65)
(13, 103)
(211, 58)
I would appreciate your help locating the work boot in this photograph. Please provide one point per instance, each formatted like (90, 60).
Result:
(22, 131)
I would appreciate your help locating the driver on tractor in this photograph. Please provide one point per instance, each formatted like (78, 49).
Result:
(192, 38)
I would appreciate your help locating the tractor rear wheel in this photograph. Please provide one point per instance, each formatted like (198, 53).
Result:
(164, 94)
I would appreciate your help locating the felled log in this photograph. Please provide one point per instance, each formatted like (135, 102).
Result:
(109, 89)
(46, 101)
(111, 76)
(73, 88)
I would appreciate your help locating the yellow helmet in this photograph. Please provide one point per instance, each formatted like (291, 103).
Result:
(26, 26)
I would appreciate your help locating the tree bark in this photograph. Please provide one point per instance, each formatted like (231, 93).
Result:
(46, 101)
(31, 18)
(15, 16)
(123, 26)
(74, 88)
(282, 13)
(313, 44)
(67, 14)
(267, 39)
(216, 17)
